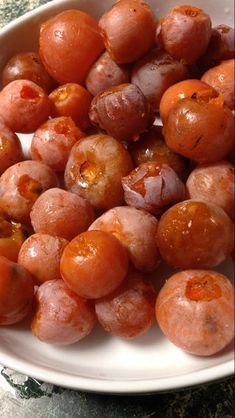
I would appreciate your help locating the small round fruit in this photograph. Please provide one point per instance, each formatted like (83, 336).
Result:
(10, 147)
(61, 317)
(155, 73)
(193, 234)
(40, 254)
(95, 168)
(122, 111)
(24, 106)
(128, 312)
(128, 30)
(27, 66)
(153, 187)
(213, 183)
(70, 43)
(181, 90)
(106, 73)
(72, 100)
(195, 310)
(94, 264)
(221, 78)
(136, 230)
(201, 129)
(16, 292)
(21, 185)
(54, 207)
(178, 33)
(53, 141)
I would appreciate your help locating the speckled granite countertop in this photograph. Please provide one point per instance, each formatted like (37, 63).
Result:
(23, 397)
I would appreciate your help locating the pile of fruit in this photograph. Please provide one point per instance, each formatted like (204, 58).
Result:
(108, 193)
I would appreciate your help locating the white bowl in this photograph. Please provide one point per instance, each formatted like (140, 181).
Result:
(100, 362)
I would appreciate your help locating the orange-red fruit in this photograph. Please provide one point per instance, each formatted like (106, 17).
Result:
(10, 147)
(201, 129)
(95, 168)
(194, 234)
(21, 185)
(53, 141)
(136, 230)
(24, 106)
(94, 264)
(195, 310)
(178, 33)
(61, 317)
(181, 90)
(72, 100)
(128, 30)
(128, 312)
(40, 254)
(213, 183)
(16, 292)
(221, 78)
(69, 43)
(61, 213)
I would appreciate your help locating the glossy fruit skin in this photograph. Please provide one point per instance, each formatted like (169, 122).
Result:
(53, 141)
(95, 168)
(221, 78)
(213, 183)
(10, 147)
(152, 147)
(200, 130)
(72, 100)
(61, 317)
(16, 292)
(40, 255)
(12, 236)
(122, 111)
(181, 90)
(178, 33)
(195, 310)
(94, 264)
(194, 234)
(25, 106)
(27, 66)
(128, 30)
(106, 73)
(54, 207)
(21, 185)
(221, 47)
(127, 224)
(155, 73)
(70, 43)
(128, 312)
(152, 187)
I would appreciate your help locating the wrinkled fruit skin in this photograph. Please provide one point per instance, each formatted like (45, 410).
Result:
(122, 111)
